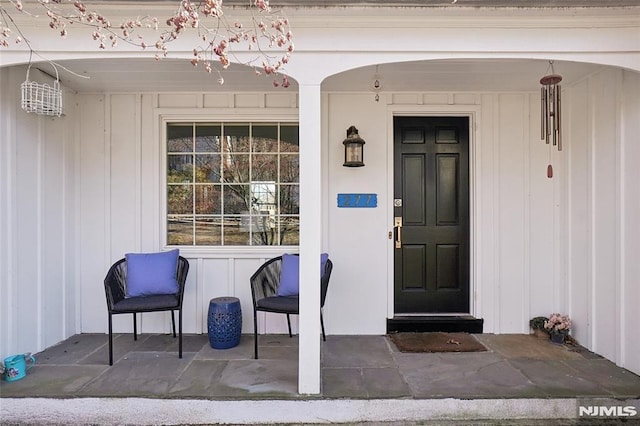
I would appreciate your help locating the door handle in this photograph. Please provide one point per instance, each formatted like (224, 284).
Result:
(397, 225)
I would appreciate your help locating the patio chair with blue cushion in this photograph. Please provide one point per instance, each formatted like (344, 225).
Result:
(274, 288)
(146, 282)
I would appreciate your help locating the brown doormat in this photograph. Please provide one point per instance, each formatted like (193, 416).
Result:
(436, 342)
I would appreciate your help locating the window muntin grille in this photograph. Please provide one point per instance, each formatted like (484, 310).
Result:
(232, 184)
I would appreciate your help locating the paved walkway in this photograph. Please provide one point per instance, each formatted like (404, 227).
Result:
(364, 379)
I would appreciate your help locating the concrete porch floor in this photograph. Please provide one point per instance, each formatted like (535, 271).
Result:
(364, 379)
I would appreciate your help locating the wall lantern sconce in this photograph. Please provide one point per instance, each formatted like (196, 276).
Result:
(353, 148)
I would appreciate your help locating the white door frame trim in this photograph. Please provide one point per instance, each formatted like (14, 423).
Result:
(473, 112)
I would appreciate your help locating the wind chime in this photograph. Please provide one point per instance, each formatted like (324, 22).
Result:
(550, 108)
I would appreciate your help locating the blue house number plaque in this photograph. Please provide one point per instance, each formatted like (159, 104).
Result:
(358, 200)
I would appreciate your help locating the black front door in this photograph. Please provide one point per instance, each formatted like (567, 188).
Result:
(431, 209)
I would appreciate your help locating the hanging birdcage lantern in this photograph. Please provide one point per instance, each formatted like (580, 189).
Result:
(42, 98)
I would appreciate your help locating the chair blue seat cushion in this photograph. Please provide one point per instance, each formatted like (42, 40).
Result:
(146, 303)
(284, 304)
(151, 274)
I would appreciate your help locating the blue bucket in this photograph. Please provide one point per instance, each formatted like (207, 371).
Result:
(15, 366)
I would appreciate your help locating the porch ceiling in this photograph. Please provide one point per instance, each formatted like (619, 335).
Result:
(148, 75)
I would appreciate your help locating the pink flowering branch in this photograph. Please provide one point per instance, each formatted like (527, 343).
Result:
(268, 34)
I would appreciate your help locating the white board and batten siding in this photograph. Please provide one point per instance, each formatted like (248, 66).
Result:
(80, 191)
(122, 207)
(38, 218)
(529, 232)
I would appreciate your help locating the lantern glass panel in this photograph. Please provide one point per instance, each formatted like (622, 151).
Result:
(354, 153)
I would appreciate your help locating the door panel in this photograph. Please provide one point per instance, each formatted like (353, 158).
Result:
(414, 267)
(447, 189)
(447, 260)
(431, 178)
(413, 183)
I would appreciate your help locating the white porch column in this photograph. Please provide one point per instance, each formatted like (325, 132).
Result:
(310, 240)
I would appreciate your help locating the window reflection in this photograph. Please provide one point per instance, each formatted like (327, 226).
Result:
(232, 184)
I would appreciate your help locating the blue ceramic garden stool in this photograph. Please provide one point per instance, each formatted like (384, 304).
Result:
(224, 322)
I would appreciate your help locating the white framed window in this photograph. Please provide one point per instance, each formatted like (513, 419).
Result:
(232, 184)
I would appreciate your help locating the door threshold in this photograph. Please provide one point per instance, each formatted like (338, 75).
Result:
(434, 314)
(464, 323)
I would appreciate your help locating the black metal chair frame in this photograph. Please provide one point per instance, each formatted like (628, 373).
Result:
(115, 290)
(264, 292)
